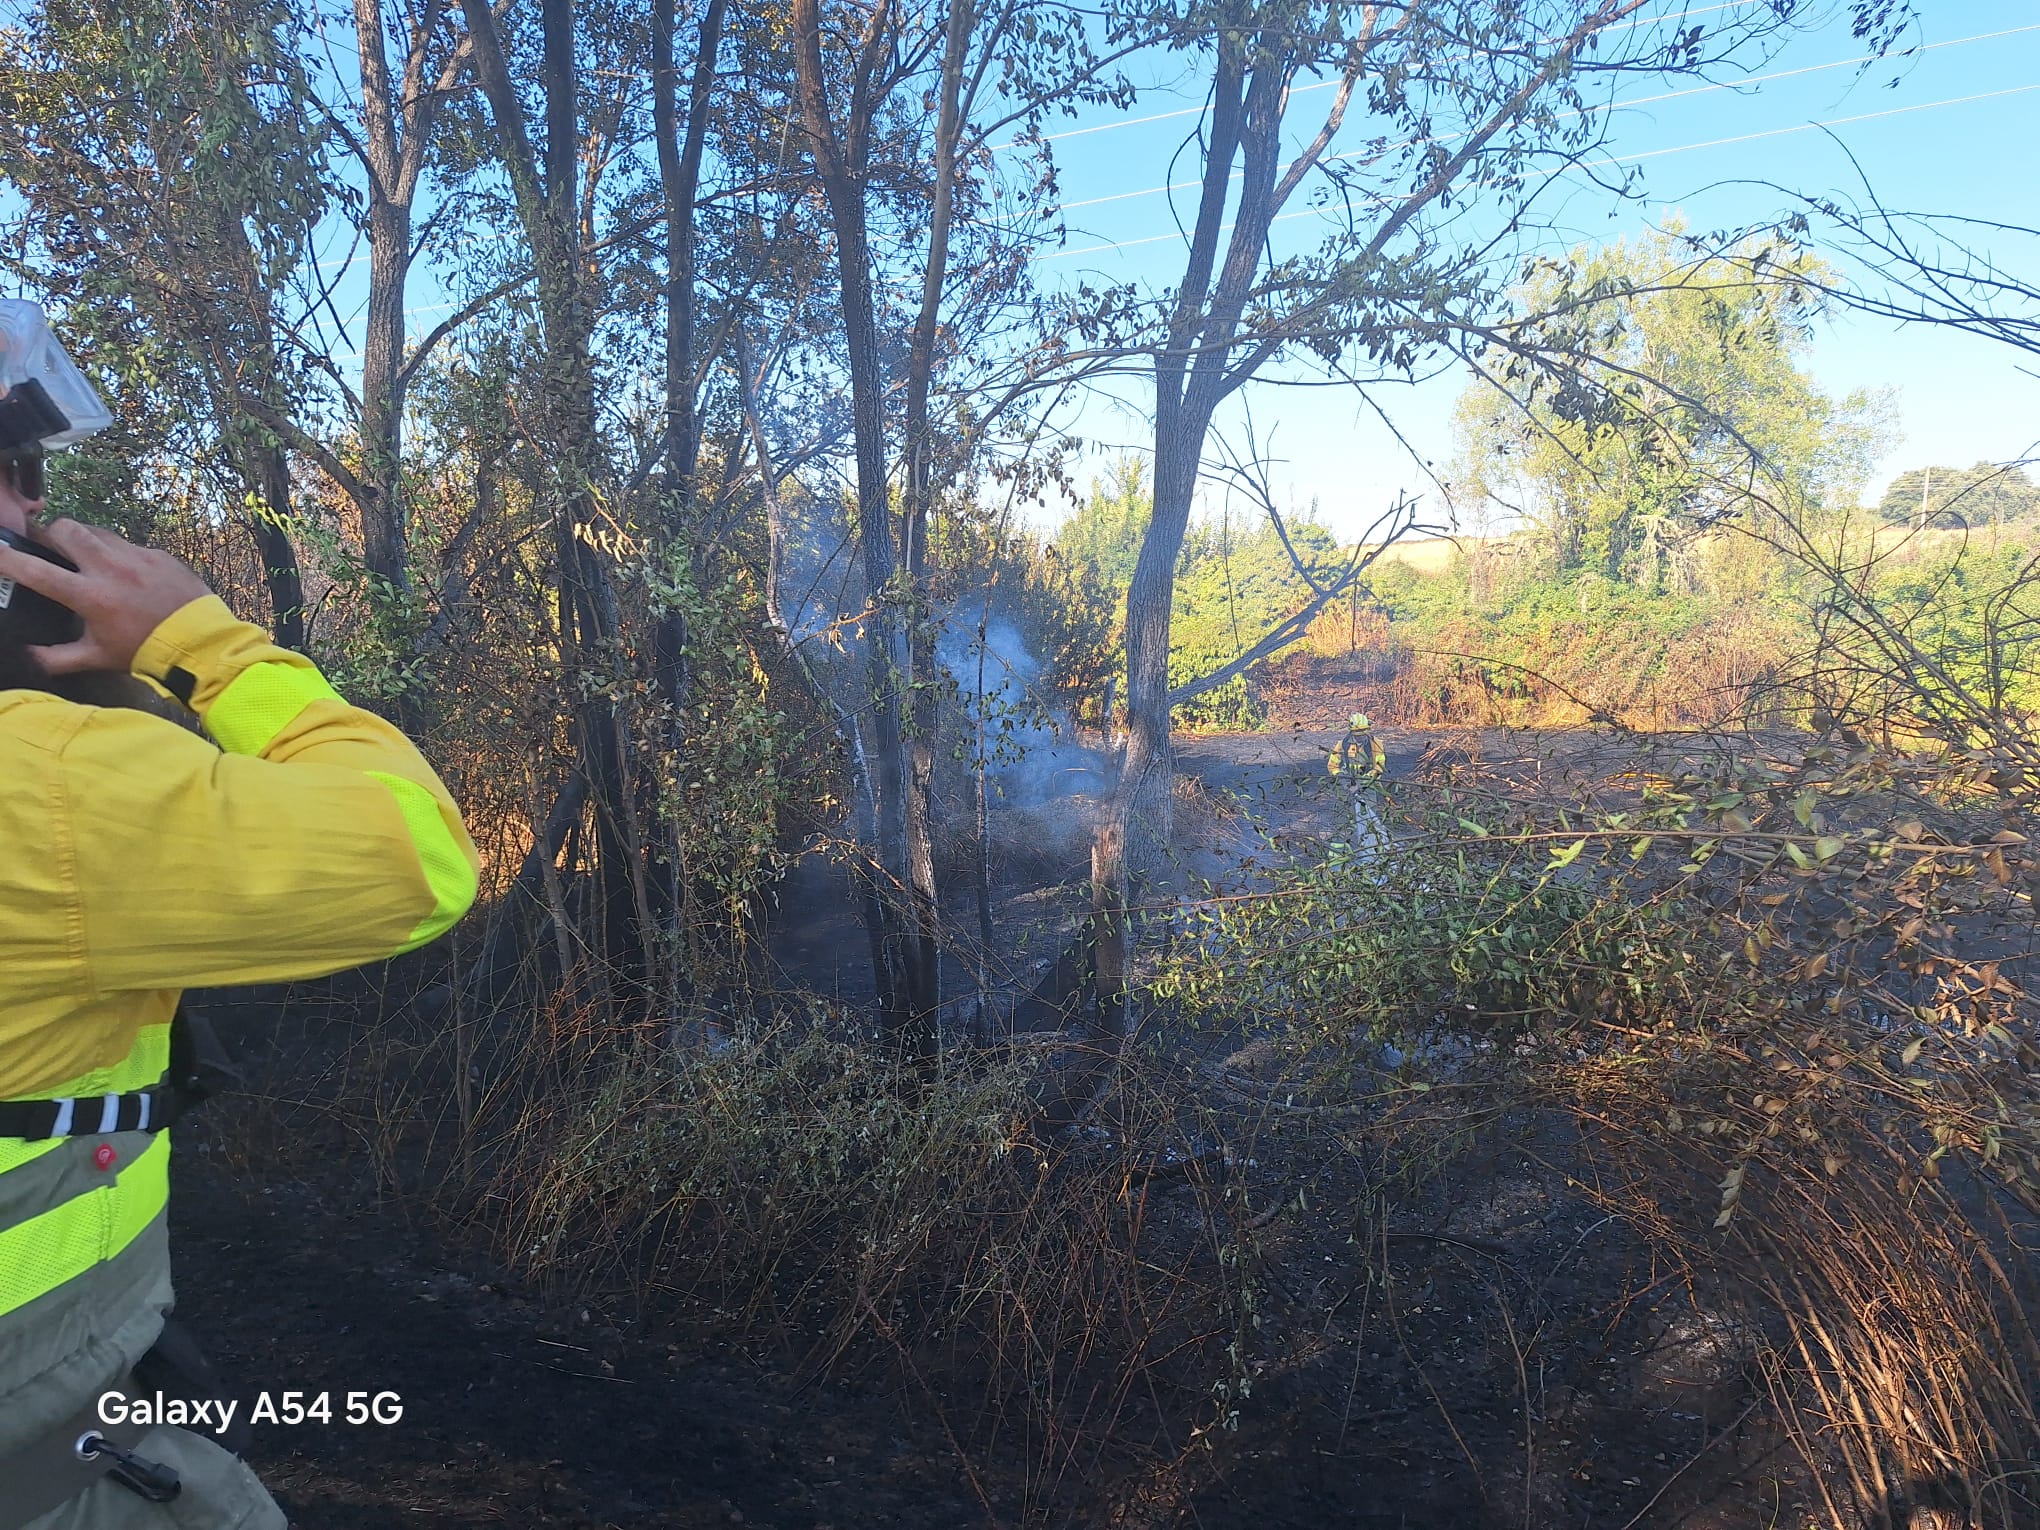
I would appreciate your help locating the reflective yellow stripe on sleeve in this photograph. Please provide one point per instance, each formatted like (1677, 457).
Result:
(261, 702)
(46, 1251)
(448, 871)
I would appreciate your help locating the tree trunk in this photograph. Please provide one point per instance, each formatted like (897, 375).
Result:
(382, 347)
(679, 182)
(680, 444)
(904, 987)
(383, 539)
(1143, 806)
(902, 941)
(923, 482)
(396, 131)
(1249, 89)
(272, 542)
(589, 619)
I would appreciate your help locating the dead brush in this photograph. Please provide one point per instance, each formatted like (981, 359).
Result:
(1202, 816)
(805, 1192)
(1896, 1311)
(1835, 1131)
(1778, 987)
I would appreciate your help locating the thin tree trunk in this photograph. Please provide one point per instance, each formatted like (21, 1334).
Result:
(397, 120)
(548, 207)
(871, 903)
(679, 179)
(1143, 805)
(382, 349)
(923, 481)
(1194, 373)
(279, 558)
(983, 877)
(383, 538)
(504, 948)
(907, 978)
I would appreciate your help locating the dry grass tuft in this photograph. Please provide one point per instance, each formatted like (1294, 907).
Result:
(801, 1192)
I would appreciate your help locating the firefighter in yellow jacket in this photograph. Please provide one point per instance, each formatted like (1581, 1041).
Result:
(139, 858)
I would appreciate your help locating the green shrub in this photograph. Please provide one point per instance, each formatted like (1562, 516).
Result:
(1433, 930)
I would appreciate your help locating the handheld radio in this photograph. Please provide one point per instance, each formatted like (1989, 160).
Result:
(28, 616)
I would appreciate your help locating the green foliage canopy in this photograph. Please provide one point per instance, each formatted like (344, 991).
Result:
(1680, 401)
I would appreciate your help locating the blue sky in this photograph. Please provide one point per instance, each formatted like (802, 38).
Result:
(1949, 129)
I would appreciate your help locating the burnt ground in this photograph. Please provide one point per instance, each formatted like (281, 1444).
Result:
(515, 1412)
(1485, 1347)
(1418, 1404)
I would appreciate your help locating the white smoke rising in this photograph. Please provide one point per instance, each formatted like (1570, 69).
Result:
(1030, 748)
(816, 589)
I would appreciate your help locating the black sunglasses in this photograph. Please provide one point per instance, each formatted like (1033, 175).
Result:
(25, 475)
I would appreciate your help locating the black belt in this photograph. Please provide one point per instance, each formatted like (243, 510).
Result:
(198, 1067)
(144, 1110)
(49, 1472)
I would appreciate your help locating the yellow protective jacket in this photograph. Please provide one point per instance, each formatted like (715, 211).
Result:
(136, 859)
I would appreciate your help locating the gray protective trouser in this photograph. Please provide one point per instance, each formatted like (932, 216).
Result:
(59, 1351)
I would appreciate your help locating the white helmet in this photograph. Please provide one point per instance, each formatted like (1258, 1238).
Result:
(44, 399)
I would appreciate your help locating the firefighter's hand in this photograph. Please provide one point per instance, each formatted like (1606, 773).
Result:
(122, 591)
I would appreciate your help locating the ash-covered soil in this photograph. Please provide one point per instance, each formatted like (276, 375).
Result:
(515, 1411)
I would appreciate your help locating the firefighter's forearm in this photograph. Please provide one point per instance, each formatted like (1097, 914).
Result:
(261, 700)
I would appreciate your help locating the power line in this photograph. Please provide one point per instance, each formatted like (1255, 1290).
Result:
(1615, 106)
(1893, 111)
(1606, 163)
(1127, 196)
(1602, 164)
(1188, 111)
(1192, 111)
(1620, 26)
